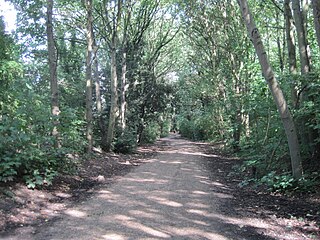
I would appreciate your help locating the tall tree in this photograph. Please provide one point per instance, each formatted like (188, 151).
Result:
(124, 50)
(113, 12)
(275, 89)
(52, 58)
(89, 81)
(302, 40)
(291, 49)
(316, 18)
(308, 134)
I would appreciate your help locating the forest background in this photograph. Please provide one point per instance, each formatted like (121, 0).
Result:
(83, 76)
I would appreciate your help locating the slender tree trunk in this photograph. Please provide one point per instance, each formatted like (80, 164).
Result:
(291, 46)
(302, 42)
(101, 121)
(97, 85)
(275, 90)
(279, 46)
(123, 91)
(124, 86)
(112, 42)
(114, 97)
(52, 58)
(304, 12)
(90, 37)
(308, 135)
(316, 18)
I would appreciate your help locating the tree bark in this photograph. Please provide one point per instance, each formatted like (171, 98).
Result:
(123, 91)
(90, 38)
(112, 42)
(302, 42)
(124, 85)
(308, 135)
(101, 120)
(52, 58)
(291, 47)
(316, 18)
(275, 89)
(114, 98)
(97, 85)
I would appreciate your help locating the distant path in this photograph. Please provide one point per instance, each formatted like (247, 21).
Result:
(170, 197)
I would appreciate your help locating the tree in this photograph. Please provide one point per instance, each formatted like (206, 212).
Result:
(291, 49)
(302, 41)
(111, 14)
(89, 81)
(52, 58)
(124, 50)
(316, 18)
(275, 89)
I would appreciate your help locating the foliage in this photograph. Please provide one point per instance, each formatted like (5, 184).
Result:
(181, 65)
(165, 127)
(286, 183)
(125, 143)
(26, 145)
(150, 133)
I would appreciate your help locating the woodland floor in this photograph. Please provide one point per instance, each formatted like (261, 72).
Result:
(254, 213)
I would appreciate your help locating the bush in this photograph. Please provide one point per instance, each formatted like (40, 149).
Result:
(26, 147)
(191, 130)
(150, 133)
(125, 143)
(165, 130)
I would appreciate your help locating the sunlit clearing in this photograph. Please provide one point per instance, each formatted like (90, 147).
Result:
(188, 232)
(222, 195)
(144, 214)
(199, 212)
(9, 13)
(217, 184)
(198, 205)
(141, 180)
(200, 193)
(76, 213)
(199, 154)
(127, 222)
(114, 236)
(173, 162)
(165, 201)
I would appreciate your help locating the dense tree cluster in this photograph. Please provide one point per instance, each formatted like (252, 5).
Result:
(111, 74)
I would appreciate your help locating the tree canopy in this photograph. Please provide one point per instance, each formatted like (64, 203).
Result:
(83, 75)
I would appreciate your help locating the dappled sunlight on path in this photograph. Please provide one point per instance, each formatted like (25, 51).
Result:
(170, 197)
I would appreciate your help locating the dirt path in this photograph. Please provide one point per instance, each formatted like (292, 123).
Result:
(173, 196)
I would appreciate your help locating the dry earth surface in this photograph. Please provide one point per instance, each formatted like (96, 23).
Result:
(175, 189)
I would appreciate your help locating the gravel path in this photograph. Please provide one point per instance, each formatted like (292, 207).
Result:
(170, 197)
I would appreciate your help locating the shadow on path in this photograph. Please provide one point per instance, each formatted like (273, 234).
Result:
(170, 197)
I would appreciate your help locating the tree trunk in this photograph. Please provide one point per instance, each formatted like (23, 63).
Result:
(124, 86)
(291, 46)
(101, 121)
(275, 90)
(316, 18)
(308, 135)
(90, 37)
(97, 84)
(112, 41)
(52, 58)
(123, 91)
(114, 98)
(279, 46)
(302, 42)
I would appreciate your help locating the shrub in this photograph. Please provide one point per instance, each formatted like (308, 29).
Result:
(166, 125)
(125, 143)
(26, 147)
(150, 133)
